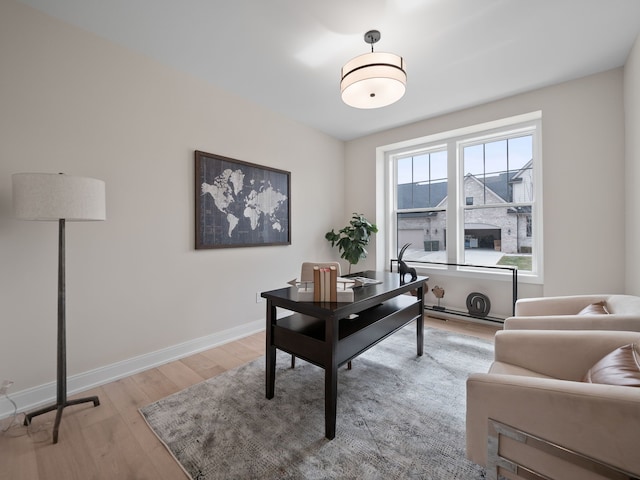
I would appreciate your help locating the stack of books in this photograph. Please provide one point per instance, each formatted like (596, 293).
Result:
(325, 284)
(326, 287)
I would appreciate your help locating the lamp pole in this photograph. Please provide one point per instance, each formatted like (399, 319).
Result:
(61, 395)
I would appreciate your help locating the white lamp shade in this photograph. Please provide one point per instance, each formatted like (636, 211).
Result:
(373, 80)
(53, 196)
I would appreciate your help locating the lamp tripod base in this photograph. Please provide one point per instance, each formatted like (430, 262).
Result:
(59, 407)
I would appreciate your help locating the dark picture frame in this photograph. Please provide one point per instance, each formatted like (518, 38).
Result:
(240, 204)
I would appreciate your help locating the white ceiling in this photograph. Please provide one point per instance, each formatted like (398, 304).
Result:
(286, 54)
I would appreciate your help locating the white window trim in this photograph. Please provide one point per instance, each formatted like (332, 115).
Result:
(386, 180)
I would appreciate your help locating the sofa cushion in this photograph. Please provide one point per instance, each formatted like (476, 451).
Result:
(620, 367)
(623, 304)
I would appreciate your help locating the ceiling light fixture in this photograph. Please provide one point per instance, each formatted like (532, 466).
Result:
(373, 80)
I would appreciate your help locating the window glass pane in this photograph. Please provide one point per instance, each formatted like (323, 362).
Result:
(521, 168)
(503, 168)
(520, 151)
(522, 185)
(405, 196)
(425, 231)
(417, 187)
(421, 192)
(437, 193)
(498, 236)
(421, 168)
(405, 173)
(473, 160)
(439, 165)
(438, 178)
(496, 188)
(495, 157)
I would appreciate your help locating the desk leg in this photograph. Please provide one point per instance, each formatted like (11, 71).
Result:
(420, 321)
(330, 400)
(330, 377)
(270, 351)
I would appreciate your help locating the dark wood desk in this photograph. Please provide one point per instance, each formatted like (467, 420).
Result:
(322, 334)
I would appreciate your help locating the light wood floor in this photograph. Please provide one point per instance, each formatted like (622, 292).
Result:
(112, 441)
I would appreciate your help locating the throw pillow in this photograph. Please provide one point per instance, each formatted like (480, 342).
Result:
(620, 367)
(599, 308)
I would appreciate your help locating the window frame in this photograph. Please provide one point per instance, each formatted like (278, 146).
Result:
(454, 141)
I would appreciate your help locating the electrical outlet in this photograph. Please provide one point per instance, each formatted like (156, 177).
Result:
(4, 388)
(259, 299)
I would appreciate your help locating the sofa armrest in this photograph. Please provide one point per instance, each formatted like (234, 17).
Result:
(599, 421)
(560, 354)
(566, 305)
(575, 322)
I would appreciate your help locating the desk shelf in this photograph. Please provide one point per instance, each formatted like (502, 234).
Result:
(304, 336)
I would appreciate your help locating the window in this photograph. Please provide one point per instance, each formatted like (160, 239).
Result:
(469, 197)
(422, 180)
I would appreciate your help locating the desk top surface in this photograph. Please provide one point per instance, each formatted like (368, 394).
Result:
(364, 297)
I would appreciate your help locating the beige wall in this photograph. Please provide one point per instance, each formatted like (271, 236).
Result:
(632, 143)
(583, 180)
(74, 103)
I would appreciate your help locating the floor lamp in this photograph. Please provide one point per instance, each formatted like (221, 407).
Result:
(61, 198)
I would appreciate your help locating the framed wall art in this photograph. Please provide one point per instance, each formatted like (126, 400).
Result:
(240, 204)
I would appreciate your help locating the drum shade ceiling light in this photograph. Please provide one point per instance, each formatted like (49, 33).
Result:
(373, 80)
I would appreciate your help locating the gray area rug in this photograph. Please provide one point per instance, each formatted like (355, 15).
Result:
(399, 416)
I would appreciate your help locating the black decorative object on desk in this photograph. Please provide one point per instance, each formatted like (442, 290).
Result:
(403, 268)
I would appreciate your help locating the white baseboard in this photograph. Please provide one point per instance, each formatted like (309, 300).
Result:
(44, 394)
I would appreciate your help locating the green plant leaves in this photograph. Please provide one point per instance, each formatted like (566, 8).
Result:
(352, 239)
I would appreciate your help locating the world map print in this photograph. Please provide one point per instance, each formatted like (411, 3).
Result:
(243, 205)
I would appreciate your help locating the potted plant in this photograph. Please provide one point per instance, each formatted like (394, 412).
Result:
(352, 239)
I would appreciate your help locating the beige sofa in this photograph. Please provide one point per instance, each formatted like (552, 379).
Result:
(534, 388)
(563, 313)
